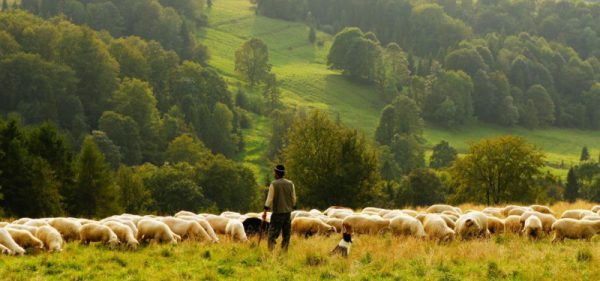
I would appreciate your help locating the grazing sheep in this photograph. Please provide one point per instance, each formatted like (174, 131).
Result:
(204, 224)
(311, 226)
(449, 220)
(218, 223)
(129, 223)
(392, 214)
(21, 221)
(300, 213)
(96, 232)
(340, 213)
(8, 242)
(453, 215)
(591, 218)
(506, 209)
(25, 239)
(408, 226)
(336, 208)
(51, 237)
(372, 209)
(69, 229)
(235, 231)
(184, 213)
(513, 224)
(519, 211)
(575, 229)
(542, 209)
(495, 225)
(187, 229)
(439, 208)
(472, 225)
(231, 215)
(4, 250)
(123, 232)
(576, 214)
(337, 223)
(409, 212)
(533, 227)
(31, 229)
(436, 228)
(546, 219)
(493, 212)
(363, 224)
(36, 223)
(150, 229)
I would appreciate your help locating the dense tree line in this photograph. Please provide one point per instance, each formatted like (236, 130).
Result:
(41, 175)
(502, 62)
(135, 91)
(170, 22)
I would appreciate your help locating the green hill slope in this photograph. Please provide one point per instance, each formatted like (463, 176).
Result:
(306, 81)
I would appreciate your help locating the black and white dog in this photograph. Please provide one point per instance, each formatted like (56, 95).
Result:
(343, 248)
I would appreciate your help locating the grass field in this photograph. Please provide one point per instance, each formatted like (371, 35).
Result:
(307, 82)
(502, 257)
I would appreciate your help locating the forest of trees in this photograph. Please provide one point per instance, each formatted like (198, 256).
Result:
(110, 106)
(532, 64)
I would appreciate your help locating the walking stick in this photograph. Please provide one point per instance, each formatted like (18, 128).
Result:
(261, 227)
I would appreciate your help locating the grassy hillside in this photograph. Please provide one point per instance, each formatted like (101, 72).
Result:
(306, 81)
(503, 257)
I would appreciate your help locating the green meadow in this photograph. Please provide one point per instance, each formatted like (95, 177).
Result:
(306, 82)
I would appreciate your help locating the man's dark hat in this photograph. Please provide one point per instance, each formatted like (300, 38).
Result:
(280, 169)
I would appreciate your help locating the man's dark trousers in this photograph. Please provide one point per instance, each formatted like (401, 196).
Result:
(280, 222)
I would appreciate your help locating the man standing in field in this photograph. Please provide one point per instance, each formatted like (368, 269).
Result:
(281, 199)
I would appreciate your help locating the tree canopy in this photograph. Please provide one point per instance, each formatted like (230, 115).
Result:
(497, 170)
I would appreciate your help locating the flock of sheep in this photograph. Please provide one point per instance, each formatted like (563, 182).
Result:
(442, 223)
